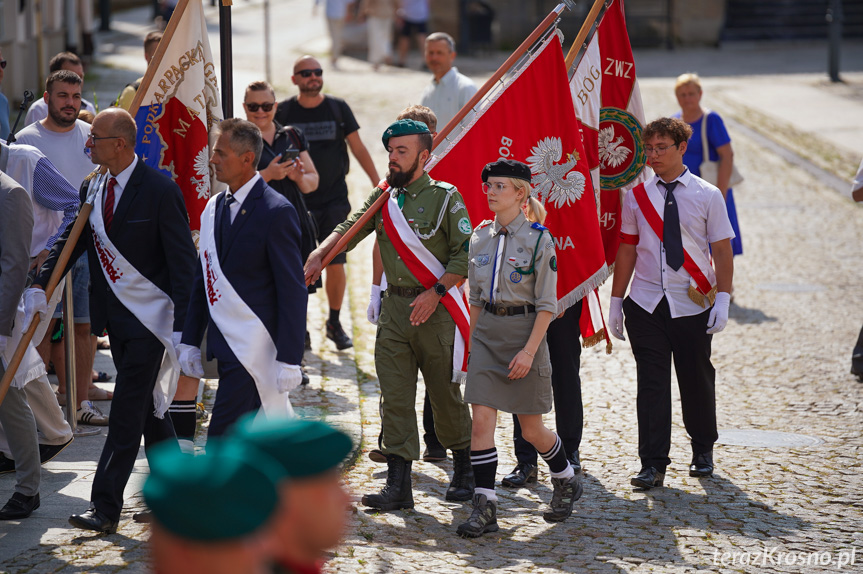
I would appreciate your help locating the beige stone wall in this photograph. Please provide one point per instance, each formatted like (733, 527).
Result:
(698, 22)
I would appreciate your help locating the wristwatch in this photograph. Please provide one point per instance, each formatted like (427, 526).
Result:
(440, 289)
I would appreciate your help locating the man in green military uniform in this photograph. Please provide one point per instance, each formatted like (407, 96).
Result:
(414, 330)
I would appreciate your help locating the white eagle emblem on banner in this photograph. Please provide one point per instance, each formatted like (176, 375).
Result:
(552, 181)
(611, 153)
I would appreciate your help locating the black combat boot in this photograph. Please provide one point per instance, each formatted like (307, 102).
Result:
(397, 492)
(461, 487)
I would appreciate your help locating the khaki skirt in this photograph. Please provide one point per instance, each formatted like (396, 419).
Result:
(496, 341)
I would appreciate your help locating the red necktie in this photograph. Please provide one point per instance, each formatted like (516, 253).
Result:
(109, 204)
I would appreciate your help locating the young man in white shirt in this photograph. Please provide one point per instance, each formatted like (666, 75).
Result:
(670, 226)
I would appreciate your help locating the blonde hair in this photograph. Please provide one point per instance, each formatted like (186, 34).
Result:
(534, 211)
(421, 114)
(686, 79)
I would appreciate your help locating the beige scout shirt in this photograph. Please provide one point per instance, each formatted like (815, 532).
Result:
(427, 202)
(516, 284)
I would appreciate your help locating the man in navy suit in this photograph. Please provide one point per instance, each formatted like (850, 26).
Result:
(257, 241)
(146, 221)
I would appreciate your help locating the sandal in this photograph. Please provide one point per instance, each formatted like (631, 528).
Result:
(98, 394)
(102, 377)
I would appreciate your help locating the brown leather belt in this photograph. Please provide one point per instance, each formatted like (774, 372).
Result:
(504, 311)
(404, 291)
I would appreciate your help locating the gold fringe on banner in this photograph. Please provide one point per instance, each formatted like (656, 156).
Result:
(698, 298)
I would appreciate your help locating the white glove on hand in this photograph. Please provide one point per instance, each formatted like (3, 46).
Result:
(4, 340)
(615, 318)
(719, 314)
(290, 377)
(373, 313)
(176, 337)
(34, 303)
(190, 361)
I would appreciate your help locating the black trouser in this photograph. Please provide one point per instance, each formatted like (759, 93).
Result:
(564, 348)
(237, 395)
(656, 338)
(857, 357)
(137, 362)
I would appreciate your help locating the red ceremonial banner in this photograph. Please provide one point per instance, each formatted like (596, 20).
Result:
(532, 120)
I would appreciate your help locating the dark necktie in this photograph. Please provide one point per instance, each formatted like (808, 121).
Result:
(671, 228)
(225, 223)
(108, 212)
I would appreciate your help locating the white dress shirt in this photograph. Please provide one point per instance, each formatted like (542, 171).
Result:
(447, 96)
(703, 215)
(241, 194)
(122, 181)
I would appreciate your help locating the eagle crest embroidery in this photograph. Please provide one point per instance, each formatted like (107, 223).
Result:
(552, 181)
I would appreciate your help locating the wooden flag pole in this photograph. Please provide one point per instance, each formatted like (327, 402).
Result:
(442, 134)
(226, 52)
(56, 275)
(585, 30)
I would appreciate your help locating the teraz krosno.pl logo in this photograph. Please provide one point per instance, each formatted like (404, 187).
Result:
(775, 556)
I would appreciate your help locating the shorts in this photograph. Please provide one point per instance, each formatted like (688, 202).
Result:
(409, 28)
(327, 218)
(80, 277)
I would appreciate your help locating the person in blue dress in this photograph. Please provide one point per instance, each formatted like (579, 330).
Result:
(688, 92)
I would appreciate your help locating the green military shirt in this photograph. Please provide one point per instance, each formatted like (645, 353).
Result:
(437, 214)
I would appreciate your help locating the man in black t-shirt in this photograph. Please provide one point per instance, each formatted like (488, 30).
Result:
(330, 128)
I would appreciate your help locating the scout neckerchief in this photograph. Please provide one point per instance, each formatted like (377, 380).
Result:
(427, 269)
(243, 330)
(702, 288)
(149, 304)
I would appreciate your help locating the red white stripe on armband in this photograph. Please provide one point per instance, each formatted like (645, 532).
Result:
(629, 239)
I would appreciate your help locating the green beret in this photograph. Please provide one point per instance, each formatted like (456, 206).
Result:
(506, 168)
(404, 128)
(303, 447)
(225, 494)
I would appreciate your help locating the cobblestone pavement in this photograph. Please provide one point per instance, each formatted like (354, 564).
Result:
(782, 365)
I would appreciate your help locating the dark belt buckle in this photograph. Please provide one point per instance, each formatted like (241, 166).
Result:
(500, 311)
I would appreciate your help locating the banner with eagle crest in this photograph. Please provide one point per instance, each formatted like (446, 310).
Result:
(176, 107)
(608, 105)
(531, 119)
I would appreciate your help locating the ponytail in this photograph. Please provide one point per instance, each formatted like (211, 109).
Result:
(535, 211)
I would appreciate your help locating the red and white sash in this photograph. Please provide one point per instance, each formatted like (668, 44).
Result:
(702, 288)
(150, 305)
(244, 331)
(427, 269)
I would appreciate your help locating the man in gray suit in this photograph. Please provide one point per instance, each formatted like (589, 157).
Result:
(16, 229)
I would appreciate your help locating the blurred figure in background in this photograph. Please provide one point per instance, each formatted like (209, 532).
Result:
(380, 15)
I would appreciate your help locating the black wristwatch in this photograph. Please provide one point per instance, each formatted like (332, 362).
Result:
(440, 289)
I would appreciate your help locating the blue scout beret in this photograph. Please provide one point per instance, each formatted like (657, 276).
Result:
(506, 168)
(303, 447)
(404, 128)
(225, 494)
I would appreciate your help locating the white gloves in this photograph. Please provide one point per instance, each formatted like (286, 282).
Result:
(719, 314)
(290, 377)
(176, 337)
(190, 360)
(373, 313)
(34, 303)
(615, 318)
(3, 342)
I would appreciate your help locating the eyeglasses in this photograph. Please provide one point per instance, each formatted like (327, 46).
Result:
(94, 139)
(267, 107)
(660, 149)
(2, 64)
(496, 188)
(307, 73)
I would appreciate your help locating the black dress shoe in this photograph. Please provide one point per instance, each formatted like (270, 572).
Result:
(523, 473)
(649, 477)
(701, 465)
(337, 335)
(6, 464)
(305, 378)
(94, 520)
(434, 453)
(143, 517)
(575, 462)
(49, 451)
(19, 506)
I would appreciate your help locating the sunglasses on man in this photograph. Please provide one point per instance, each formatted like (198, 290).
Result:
(267, 107)
(308, 73)
(2, 64)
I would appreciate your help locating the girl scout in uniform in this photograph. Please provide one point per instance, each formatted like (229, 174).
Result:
(513, 282)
